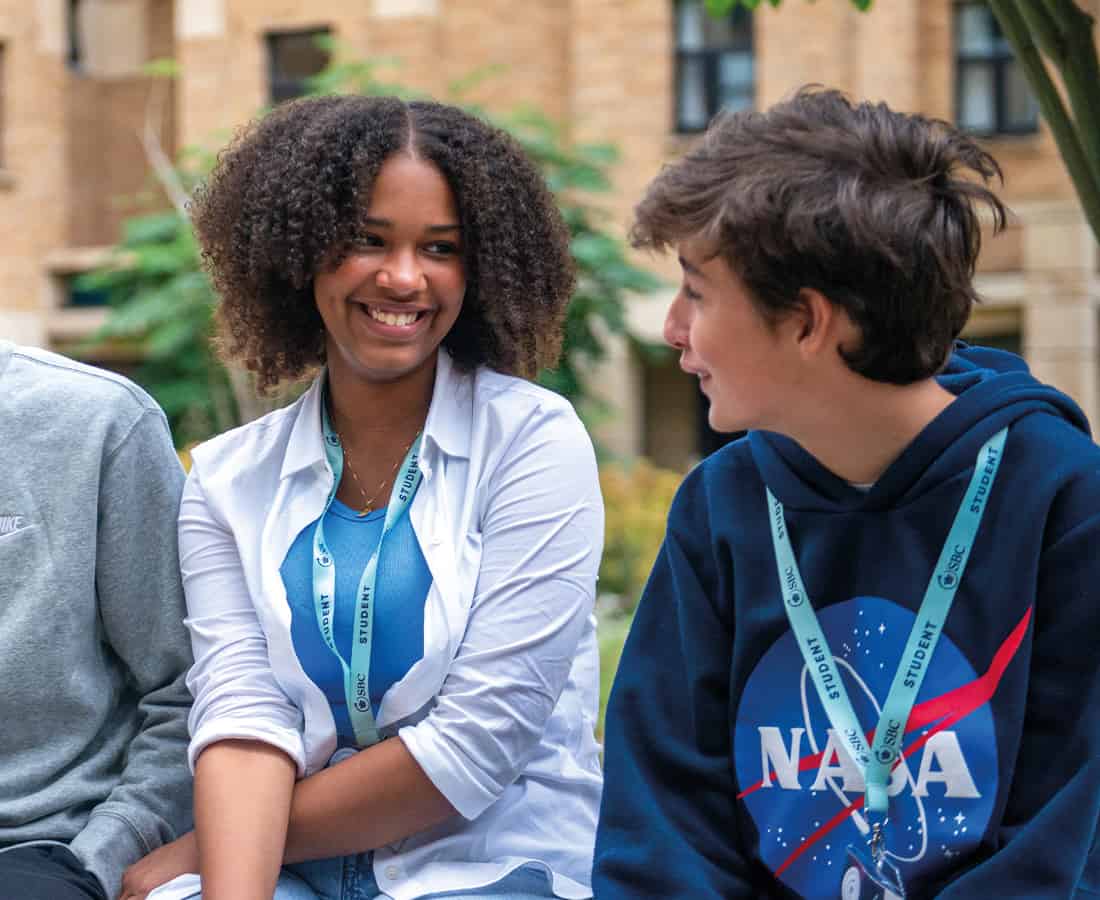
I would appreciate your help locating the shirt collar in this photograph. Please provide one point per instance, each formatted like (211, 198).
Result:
(447, 427)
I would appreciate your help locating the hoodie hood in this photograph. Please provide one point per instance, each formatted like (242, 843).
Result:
(994, 389)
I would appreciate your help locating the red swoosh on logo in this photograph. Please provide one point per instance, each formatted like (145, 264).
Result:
(946, 710)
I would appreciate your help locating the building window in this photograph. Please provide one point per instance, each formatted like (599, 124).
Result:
(293, 57)
(714, 63)
(77, 293)
(992, 95)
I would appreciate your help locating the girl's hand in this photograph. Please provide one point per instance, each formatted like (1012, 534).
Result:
(159, 867)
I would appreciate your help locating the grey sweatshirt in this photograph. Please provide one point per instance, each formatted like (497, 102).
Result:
(93, 651)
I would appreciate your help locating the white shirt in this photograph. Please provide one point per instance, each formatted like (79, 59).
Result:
(500, 710)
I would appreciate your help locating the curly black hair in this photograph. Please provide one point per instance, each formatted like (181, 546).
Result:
(286, 197)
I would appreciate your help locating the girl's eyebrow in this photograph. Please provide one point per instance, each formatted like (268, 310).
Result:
(375, 222)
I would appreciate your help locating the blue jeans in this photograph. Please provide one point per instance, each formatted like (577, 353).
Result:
(352, 878)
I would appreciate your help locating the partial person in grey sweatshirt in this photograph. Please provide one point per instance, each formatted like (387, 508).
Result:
(93, 651)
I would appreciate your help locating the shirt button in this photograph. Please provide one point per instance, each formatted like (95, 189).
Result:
(393, 873)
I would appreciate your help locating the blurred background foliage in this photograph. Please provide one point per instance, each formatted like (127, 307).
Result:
(636, 496)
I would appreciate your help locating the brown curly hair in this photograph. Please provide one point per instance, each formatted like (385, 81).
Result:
(285, 198)
(876, 209)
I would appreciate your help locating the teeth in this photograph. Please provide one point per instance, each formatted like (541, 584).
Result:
(388, 318)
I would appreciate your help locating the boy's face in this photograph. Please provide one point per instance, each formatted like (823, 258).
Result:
(739, 358)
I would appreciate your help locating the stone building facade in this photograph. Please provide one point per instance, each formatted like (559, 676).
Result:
(76, 104)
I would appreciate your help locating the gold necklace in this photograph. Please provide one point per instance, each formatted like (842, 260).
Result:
(368, 502)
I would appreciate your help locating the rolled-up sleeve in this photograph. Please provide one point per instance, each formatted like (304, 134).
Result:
(542, 535)
(236, 694)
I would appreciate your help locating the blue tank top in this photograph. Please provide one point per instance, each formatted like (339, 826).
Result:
(403, 583)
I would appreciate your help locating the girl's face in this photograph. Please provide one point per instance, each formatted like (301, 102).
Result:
(387, 306)
(740, 360)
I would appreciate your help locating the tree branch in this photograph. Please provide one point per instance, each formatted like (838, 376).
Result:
(1081, 74)
(161, 165)
(1064, 34)
(1044, 30)
(1053, 108)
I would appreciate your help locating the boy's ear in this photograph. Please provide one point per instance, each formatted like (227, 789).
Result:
(815, 322)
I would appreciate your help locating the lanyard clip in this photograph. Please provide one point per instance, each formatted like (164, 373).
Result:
(877, 841)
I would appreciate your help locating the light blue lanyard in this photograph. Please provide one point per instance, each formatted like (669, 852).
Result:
(357, 673)
(877, 761)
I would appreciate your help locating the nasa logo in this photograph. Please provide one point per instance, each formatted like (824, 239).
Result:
(800, 787)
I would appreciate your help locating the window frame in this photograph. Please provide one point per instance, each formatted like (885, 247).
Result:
(711, 59)
(999, 60)
(281, 88)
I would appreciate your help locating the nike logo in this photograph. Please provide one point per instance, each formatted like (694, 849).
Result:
(12, 524)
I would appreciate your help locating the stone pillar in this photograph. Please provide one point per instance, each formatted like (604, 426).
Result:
(114, 37)
(206, 106)
(617, 383)
(888, 63)
(800, 43)
(1061, 316)
(620, 78)
(33, 183)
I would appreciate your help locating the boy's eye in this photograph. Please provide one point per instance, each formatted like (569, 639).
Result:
(369, 240)
(691, 294)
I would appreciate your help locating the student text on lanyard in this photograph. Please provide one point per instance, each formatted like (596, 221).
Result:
(357, 669)
(878, 760)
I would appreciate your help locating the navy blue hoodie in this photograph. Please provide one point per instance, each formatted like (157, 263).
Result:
(722, 777)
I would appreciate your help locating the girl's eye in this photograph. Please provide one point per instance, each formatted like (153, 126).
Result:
(443, 248)
(691, 294)
(369, 240)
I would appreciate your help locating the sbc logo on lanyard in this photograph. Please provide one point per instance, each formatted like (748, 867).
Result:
(357, 668)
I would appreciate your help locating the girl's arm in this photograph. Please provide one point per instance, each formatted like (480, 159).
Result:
(326, 816)
(242, 803)
(246, 745)
(244, 788)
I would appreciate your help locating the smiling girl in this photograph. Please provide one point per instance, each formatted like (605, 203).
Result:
(390, 582)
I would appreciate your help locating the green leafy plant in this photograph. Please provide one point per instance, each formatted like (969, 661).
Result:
(160, 304)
